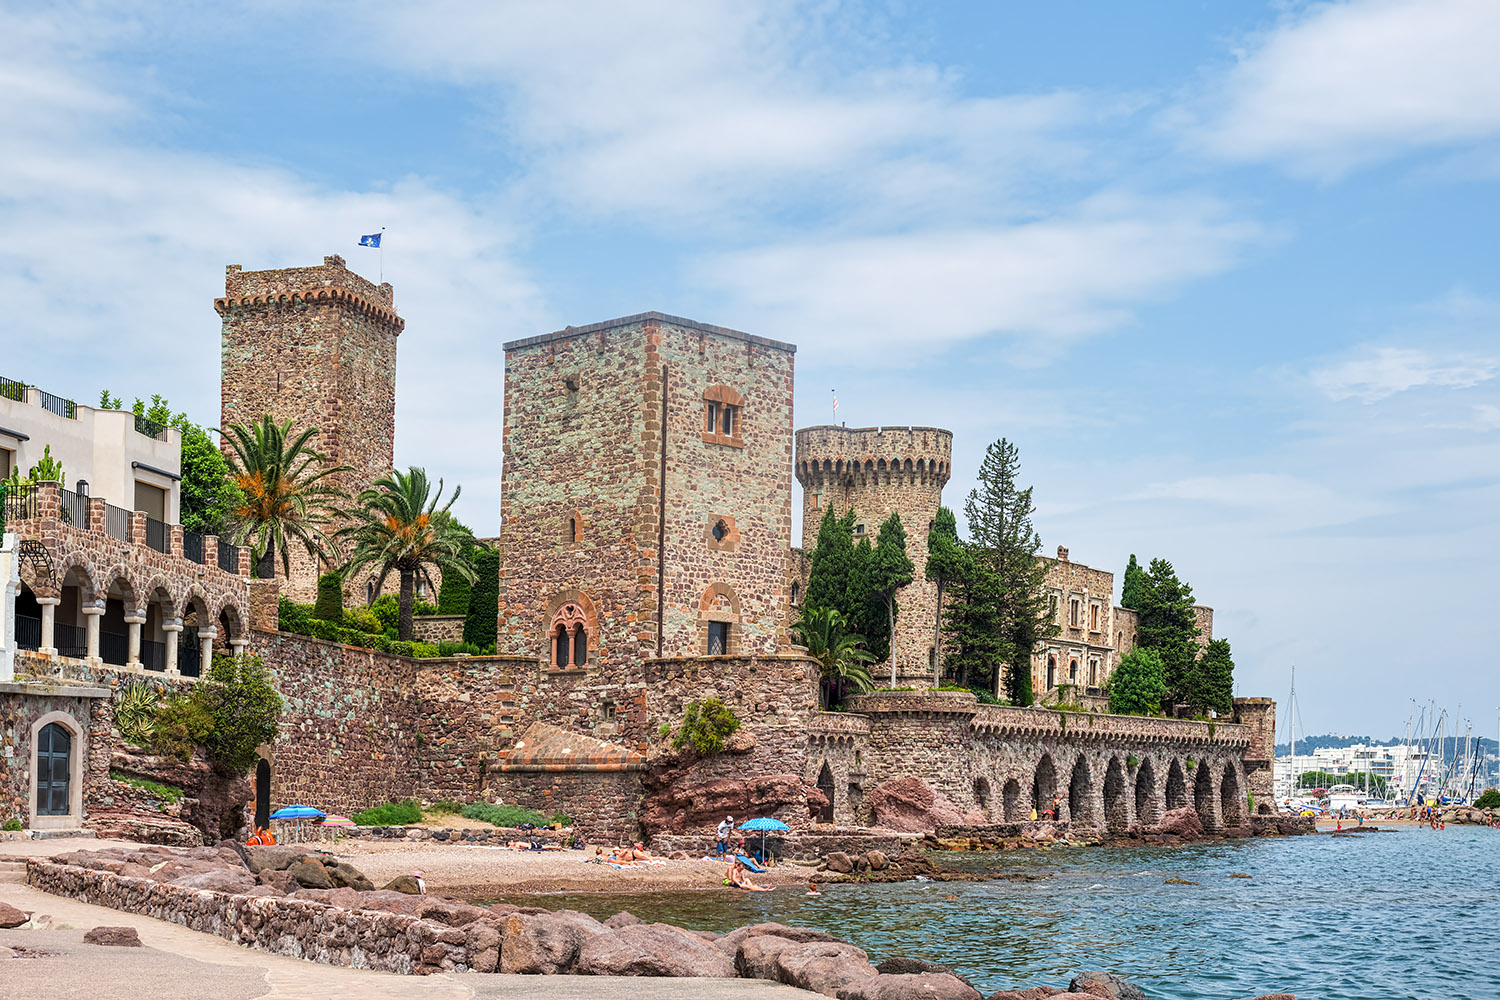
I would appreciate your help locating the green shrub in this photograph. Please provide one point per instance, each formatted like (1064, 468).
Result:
(326, 630)
(503, 815)
(182, 724)
(135, 714)
(168, 793)
(1138, 683)
(484, 600)
(453, 595)
(424, 650)
(445, 807)
(363, 620)
(1489, 800)
(330, 604)
(231, 710)
(561, 819)
(11, 824)
(706, 725)
(403, 813)
(294, 617)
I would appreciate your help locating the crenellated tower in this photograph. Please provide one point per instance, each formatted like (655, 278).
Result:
(878, 470)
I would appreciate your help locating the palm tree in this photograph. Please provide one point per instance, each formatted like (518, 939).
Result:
(398, 525)
(841, 655)
(286, 492)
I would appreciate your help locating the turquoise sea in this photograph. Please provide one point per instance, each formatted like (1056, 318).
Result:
(1411, 913)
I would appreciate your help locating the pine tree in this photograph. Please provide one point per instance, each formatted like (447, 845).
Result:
(1005, 591)
(832, 562)
(944, 560)
(1167, 624)
(890, 569)
(1132, 590)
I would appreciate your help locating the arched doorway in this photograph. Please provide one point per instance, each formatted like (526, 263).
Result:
(262, 793)
(1081, 795)
(54, 771)
(1145, 795)
(1044, 787)
(1011, 796)
(982, 795)
(825, 785)
(1116, 808)
(1203, 796)
(1231, 806)
(1176, 786)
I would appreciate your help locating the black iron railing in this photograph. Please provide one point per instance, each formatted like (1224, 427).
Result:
(153, 654)
(75, 509)
(229, 557)
(157, 535)
(117, 522)
(60, 406)
(192, 546)
(28, 632)
(11, 389)
(189, 656)
(150, 428)
(114, 648)
(20, 502)
(70, 640)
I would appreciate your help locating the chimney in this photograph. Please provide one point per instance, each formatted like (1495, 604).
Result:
(1062, 553)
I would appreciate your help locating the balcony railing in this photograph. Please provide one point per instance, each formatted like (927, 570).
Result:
(28, 632)
(75, 508)
(157, 534)
(20, 502)
(153, 655)
(189, 657)
(192, 546)
(114, 648)
(229, 557)
(11, 389)
(62, 407)
(70, 640)
(117, 522)
(150, 428)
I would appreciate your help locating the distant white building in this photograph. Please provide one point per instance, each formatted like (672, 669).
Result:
(1402, 767)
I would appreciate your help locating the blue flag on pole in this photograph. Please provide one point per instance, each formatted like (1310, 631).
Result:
(373, 240)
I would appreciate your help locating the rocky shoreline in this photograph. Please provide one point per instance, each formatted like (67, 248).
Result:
(310, 905)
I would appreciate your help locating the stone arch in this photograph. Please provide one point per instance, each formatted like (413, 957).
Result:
(1146, 811)
(1176, 786)
(1116, 804)
(157, 592)
(119, 584)
(827, 787)
(1231, 797)
(574, 611)
(230, 621)
(1264, 808)
(982, 794)
(67, 771)
(1082, 808)
(161, 611)
(1044, 785)
(1203, 795)
(719, 606)
(80, 569)
(1010, 797)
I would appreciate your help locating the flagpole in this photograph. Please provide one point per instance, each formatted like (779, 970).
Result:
(382, 255)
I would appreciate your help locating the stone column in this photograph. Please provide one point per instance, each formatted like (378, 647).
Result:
(206, 644)
(49, 628)
(91, 615)
(211, 551)
(172, 627)
(238, 645)
(133, 659)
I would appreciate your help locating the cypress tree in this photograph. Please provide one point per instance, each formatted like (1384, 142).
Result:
(1167, 624)
(480, 623)
(890, 569)
(861, 606)
(1132, 591)
(944, 559)
(329, 606)
(453, 595)
(1213, 685)
(832, 563)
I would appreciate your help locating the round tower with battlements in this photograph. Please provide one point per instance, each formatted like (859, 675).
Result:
(877, 471)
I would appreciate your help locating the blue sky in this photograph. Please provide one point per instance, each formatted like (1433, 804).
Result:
(1225, 271)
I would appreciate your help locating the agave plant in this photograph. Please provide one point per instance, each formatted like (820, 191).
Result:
(135, 714)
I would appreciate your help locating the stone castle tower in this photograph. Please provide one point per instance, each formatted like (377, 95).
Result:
(878, 471)
(645, 500)
(316, 346)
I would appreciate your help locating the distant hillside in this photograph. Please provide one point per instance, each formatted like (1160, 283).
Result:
(1451, 746)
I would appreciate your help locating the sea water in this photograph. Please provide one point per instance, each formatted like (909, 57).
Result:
(1410, 913)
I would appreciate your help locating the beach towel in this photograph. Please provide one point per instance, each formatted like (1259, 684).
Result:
(749, 863)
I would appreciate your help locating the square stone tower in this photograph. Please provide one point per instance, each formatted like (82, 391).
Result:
(646, 494)
(316, 346)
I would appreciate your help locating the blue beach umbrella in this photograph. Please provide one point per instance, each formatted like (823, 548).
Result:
(297, 812)
(764, 824)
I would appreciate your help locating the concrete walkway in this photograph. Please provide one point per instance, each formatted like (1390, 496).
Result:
(181, 964)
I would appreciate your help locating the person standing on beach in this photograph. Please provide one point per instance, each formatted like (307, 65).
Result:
(725, 825)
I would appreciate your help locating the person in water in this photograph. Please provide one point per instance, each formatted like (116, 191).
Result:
(812, 889)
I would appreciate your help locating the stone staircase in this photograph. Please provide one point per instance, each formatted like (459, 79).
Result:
(12, 871)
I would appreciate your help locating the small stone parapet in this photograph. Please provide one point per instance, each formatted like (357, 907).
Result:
(457, 835)
(299, 928)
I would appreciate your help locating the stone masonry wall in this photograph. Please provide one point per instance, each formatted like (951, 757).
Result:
(22, 704)
(879, 471)
(317, 346)
(1082, 654)
(438, 628)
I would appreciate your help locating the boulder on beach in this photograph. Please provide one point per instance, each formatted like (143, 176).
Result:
(911, 986)
(1105, 984)
(825, 967)
(911, 806)
(114, 937)
(545, 944)
(232, 880)
(838, 861)
(404, 883)
(346, 876)
(10, 916)
(1031, 993)
(651, 950)
(1183, 822)
(898, 966)
(877, 860)
(311, 874)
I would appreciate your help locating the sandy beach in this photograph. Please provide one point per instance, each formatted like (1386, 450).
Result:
(475, 871)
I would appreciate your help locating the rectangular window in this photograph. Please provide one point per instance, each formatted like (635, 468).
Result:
(1052, 606)
(152, 500)
(1075, 613)
(731, 416)
(1094, 617)
(7, 462)
(718, 638)
(713, 418)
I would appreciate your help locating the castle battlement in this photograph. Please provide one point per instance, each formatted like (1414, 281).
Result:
(870, 455)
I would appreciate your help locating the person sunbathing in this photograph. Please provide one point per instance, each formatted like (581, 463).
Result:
(739, 878)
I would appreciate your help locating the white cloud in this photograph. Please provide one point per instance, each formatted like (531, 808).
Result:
(1382, 372)
(1340, 84)
(1048, 282)
(1487, 417)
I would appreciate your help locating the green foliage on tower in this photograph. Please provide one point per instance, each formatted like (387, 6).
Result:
(1138, 684)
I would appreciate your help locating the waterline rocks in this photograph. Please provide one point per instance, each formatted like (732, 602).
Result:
(1105, 984)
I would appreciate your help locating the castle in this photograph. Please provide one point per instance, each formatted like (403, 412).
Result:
(645, 564)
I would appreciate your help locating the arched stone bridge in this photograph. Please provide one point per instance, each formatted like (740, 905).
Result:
(1104, 773)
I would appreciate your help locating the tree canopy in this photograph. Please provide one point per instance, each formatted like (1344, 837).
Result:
(1138, 684)
(890, 569)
